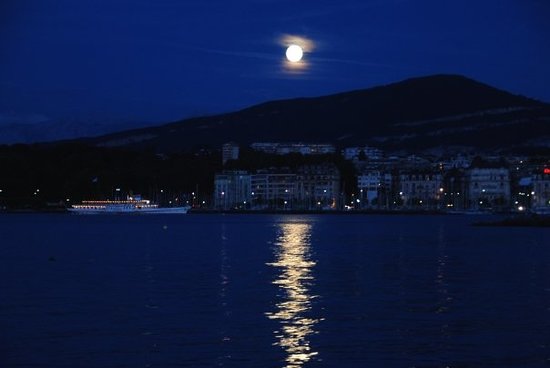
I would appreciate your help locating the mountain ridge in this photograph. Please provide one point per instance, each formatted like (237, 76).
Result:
(373, 115)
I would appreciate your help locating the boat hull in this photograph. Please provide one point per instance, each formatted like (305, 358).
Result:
(144, 211)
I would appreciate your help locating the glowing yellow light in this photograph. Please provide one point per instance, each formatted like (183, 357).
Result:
(294, 53)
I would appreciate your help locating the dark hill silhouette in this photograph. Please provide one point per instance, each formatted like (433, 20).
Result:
(416, 113)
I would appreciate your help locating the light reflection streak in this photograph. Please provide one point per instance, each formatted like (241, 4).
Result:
(293, 260)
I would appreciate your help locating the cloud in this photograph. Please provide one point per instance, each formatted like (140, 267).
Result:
(305, 43)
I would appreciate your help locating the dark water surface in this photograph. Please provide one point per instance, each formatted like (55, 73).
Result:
(271, 291)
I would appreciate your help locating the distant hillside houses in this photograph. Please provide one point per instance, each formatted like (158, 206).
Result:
(302, 148)
(365, 153)
(387, 182)
(230, 151)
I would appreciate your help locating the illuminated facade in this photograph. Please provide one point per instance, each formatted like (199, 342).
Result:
(232, 190)
(273, 189)
(488, 187)
(374, 188)
(420, 189)
(318, 187)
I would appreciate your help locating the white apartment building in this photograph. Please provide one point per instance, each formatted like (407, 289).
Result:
(232, 190)
(488, 186)
(371, 185)
(420, 189)
(271, 189)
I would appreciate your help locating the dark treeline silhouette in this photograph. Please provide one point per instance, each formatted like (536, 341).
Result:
(45, 176)
(39, 176)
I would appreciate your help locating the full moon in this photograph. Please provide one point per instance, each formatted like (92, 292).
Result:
(294, 53)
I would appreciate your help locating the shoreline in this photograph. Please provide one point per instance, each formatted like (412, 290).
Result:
(517, 221)
(273, 212)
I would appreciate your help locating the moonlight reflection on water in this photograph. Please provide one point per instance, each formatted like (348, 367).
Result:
(294, 263)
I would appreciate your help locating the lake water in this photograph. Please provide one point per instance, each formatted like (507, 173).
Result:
(271, 291)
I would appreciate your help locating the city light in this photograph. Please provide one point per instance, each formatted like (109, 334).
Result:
(473, 188)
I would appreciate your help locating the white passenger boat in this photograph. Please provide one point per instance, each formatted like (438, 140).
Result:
(131, 205)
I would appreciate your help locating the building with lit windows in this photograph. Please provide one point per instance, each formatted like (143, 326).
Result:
(488, 187)
(318, 187)
(417, 189)
(374, 188)
(273, 189)
(232, 190)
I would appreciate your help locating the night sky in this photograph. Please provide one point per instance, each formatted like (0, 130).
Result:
(169, 59)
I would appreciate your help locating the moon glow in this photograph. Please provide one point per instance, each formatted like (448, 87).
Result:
(294, 53)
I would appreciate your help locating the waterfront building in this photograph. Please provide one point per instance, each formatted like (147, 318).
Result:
(420, 189)
(488, 187)
(273, 189)
(230, 151)
(318, 187)
(454, 190)
(232, 190)
(374, 188)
